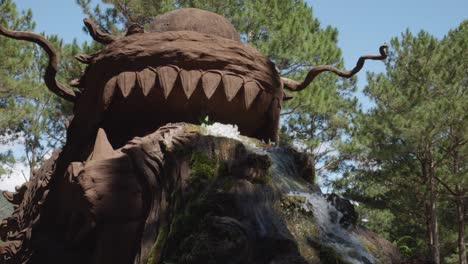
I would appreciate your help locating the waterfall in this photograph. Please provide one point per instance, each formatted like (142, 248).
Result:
(287, 181)
(344, 242)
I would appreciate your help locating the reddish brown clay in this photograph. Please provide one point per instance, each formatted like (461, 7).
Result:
(191, 65)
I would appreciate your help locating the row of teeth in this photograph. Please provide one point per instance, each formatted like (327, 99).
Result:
(166, 77)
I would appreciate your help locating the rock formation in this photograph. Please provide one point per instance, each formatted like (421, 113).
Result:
(179, 195)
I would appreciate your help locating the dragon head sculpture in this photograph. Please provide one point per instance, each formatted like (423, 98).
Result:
(190, 64)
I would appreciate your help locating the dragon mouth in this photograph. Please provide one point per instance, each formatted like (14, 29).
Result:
(135, 103)
(141, 82)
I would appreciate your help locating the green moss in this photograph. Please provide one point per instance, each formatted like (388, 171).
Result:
(294, 204)
(372, 248)
(301, 225)
(156, 250)
(187, 214)
(328, 255)
(223, 170)
(262, 165)
(227, 184)
(185, 225)
(187, 221)
(191, 237)
(302, 228)
(203, 169)
(375, 249)
(198, 246)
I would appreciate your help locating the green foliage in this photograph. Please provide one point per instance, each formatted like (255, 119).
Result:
(113, 14)
(5, 208)
(205, 121)
(16, 74)
(408, 246)
(29, 113)
(416, 132)
(14, 55)
(452, 259)
(7, 161)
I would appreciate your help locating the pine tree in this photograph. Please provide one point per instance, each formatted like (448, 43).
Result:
(411, 148)
(454, 151)
(29, 113)
(12, 80)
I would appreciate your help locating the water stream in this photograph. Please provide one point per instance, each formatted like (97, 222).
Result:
(344, 242)
(286, 179)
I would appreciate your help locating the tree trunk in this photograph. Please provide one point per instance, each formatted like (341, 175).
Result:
(428, 172)
(461, 226)
(435, 247)
(429, 234)
(460, 193)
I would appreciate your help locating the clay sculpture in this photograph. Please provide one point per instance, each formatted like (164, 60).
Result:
(191, 64)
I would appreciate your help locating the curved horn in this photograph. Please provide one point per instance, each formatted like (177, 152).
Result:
(295, 86)
(97, 34)
(51, 70)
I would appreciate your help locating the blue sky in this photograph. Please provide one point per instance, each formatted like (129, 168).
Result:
(363, 25)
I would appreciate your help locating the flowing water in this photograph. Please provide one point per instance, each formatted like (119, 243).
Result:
(288, 182)
(332, 235)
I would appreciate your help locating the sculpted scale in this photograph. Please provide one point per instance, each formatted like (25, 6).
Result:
(190, 64)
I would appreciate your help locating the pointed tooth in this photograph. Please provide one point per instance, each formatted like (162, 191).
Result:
(146, 80)
(167, 78)
(108, 93)
(210, 82)
(126, 82)
(190, 81)
(232, 85)
(251, 91)
(102, 147)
